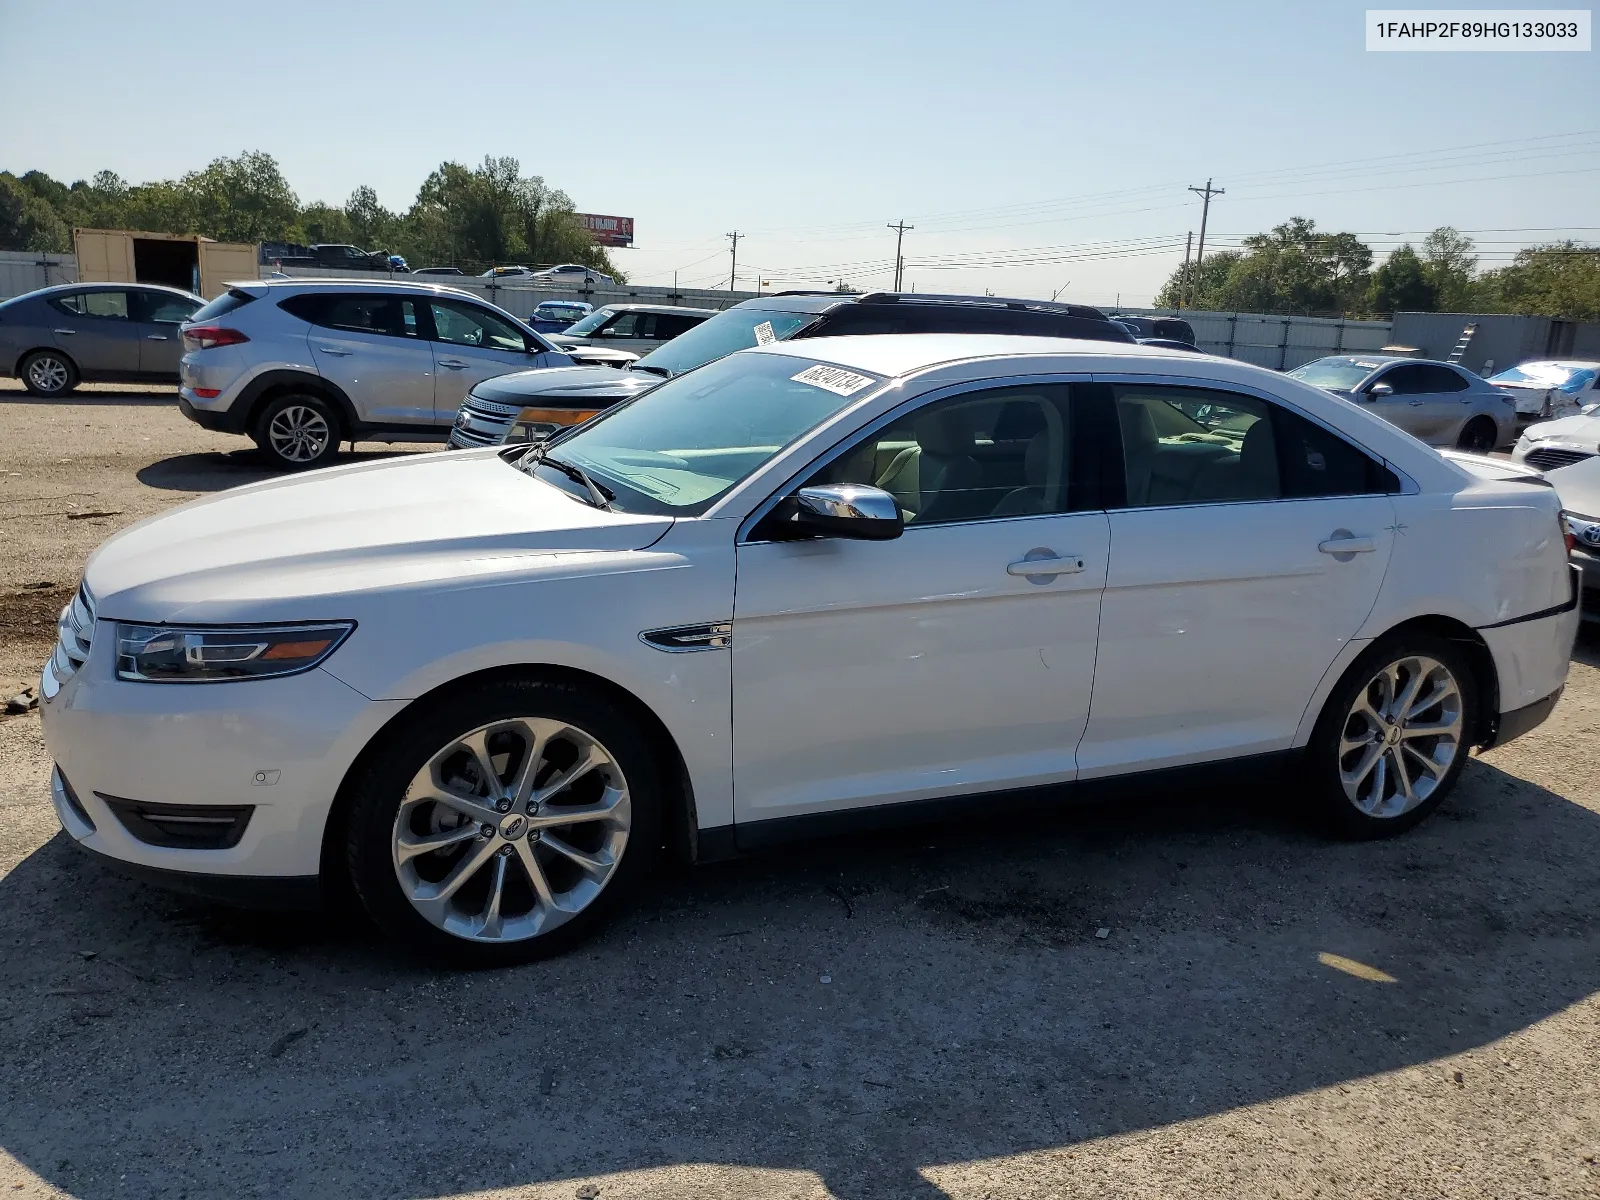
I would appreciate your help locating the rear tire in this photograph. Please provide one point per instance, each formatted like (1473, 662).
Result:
(297, 431)
(1393, 736)
(528, 863)
(48, 373)
(1479, 436)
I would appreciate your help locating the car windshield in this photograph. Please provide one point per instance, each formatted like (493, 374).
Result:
(591, 322)
(558, 312)
(1548, 375)
(735, 329)
(679, 447)
(1336, 374)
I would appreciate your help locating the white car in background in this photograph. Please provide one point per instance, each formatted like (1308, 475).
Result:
(1552, 387)
(810, 587)
(1562, 442)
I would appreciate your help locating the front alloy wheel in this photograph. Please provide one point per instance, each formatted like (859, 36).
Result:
(1401, 737)
(47, 374)
(504, 819)
(511, 830)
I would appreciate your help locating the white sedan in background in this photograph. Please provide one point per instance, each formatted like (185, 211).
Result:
(808, 588)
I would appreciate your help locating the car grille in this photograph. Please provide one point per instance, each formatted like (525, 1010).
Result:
(1547, 458)
(75, 631)
(483, 422)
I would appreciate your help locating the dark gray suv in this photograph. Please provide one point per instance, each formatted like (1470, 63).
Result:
(58, 337)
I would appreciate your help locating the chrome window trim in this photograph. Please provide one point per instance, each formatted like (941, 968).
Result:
(910, 404)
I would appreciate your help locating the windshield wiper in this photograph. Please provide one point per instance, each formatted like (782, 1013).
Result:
(599, 496)
(661, 371)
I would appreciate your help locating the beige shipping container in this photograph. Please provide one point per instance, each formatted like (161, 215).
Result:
(181, 260)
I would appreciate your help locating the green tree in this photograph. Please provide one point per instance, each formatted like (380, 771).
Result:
(244, 199)
(320, 222)
(372, 227)
(1402, 285)
(1450, 262)
(1559, 280)
(28, 222)
(1209, 280)
(1291, 268)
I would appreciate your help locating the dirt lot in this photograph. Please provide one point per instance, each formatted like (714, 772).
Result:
(918, 1015)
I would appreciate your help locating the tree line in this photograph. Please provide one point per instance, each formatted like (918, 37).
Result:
(469, 217)
(1296, 268)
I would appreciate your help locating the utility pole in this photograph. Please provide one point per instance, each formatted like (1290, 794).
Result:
(1206, 192)
(899, 228)
(733, 272)
(1183, 292)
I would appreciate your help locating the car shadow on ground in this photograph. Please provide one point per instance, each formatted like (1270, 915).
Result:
(860, 1010)
(219, 471)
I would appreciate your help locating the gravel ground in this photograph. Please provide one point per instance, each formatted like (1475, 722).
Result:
(926, 1014)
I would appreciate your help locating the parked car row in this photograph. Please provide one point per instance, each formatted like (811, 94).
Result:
(57, 337)
(815, 585)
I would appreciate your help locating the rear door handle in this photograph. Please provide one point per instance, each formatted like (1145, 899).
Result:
(1347, 543)
(68, 332)
(1414, 403)
(155, 337)
(1045, 566)
(455, 364)
(338, 351)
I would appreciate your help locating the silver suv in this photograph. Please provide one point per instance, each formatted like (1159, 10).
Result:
(300, 365)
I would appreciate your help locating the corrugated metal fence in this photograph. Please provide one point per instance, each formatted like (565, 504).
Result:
(1279, 342)
(28, 270)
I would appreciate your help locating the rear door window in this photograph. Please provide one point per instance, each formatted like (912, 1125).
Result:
(94, 304)
(159, 308)
(391, 316)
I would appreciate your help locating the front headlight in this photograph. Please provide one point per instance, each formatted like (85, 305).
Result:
(174, 654)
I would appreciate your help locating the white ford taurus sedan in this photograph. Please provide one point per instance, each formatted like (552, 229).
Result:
(806, 588)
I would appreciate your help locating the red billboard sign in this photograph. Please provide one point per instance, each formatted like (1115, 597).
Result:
(608, 231)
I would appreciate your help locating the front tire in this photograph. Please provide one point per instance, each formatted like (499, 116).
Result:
(298, 431)
(1393, 736)
(48, 373)
(504, 824)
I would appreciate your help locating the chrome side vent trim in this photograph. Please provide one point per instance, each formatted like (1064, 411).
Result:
(683, 638)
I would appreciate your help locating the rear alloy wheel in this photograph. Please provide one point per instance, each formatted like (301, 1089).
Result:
(1394, 735)
(298, 431)
(1479, 436)
(510, 825)
(46, 373)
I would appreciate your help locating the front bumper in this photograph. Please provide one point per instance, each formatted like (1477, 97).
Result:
(278, 747)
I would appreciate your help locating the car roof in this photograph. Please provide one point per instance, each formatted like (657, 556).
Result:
(1388, 358)
(896, 354)
(819, 302)
(357, 285)
(57, 289)
(650, 308)
(1580, 364)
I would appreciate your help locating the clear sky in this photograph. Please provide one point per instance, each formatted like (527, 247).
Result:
(1046, 145)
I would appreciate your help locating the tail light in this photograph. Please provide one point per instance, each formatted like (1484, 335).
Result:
(1567, 535)
(206, 337)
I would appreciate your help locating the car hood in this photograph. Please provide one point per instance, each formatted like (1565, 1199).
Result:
(579, 384)
(1578, 428)
(1578, 486)
(297, 548)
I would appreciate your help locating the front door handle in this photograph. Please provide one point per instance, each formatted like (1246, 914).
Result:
(1045, 566)
(155, 337)
(67, 332)
(1345, 542)
(337, 351)
(1414, 403)
(455, 364)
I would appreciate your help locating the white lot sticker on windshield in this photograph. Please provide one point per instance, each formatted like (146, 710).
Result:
(833, 379)
(764, 333)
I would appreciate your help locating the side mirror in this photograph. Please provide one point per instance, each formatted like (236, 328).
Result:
(1588, 410)
(847, 510)
(1379, 391)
